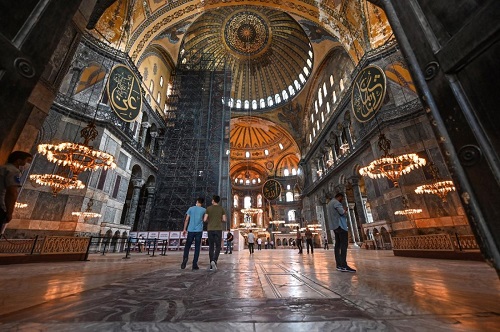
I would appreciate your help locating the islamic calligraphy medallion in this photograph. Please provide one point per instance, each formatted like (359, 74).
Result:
(271, 189)
(368, 93)
(247, 33)
(124, 93)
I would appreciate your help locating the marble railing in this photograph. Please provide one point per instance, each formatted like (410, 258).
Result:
(47, 245)
(435, 242)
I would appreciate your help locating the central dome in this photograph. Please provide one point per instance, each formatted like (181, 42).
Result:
(247, 33)
(266, 50)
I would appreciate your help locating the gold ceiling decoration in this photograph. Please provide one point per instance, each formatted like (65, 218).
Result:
(439, 188)
(390, 166)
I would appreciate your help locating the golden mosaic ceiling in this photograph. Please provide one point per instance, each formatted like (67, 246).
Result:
(268, 53)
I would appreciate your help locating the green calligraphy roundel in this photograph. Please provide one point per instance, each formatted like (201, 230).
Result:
(368, 93)
(271, 189)
(124, 92)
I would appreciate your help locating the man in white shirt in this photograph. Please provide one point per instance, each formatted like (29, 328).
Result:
(259, 244)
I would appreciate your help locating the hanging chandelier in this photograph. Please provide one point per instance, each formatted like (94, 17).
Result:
(57, 182)
(251, 211)
(277, 222)
(88, 211)
(390, 166)
(407, 211)
(78, 157)
(439, 188)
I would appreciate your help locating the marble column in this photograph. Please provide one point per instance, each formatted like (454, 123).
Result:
(144, 132)
(348, 135)
(360, 207)
(354, 230)
(152, 145)
(134, 201)
(143, 226)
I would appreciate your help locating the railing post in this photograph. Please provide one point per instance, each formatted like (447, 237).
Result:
(88, 249)
(458, 242)
(127, 250)
(34, 244)
(154, 248)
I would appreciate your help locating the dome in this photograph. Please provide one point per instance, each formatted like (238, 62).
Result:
(268, 53)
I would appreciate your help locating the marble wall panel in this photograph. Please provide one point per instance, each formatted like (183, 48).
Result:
(48, 207)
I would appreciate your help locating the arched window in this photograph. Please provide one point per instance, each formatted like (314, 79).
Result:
(306, 71)
(302, 79)
(277, 98)
(324, 90)
(247, 104)
(287, 187)
(231, 102)
(317, 125)
(310, 139)
(286, 172)
(291, 215)
(269, 101)
(151, 86)
(322, 117)
(312, 117)
(247, 203)
(320, 97)
(289, 196)
(238, 103)
(294, 171)
(297, 85)
(158, 97)
(285, 95)
(331, 80)
(161, 81)
(316, 106)
(254, 104)
(327, 107)
(334, 98)
(341, 85)
(291, 90)
(262, 103)
(259, 200)
(235, 199)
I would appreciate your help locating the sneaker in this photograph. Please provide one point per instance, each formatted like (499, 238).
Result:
(348, 269)
(213, 265)
(340, 268)
(195, 267)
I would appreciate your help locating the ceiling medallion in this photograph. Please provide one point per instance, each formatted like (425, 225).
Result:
(247, 33)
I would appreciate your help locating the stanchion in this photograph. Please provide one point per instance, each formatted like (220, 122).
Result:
(154, 248)
(127, 250)
(34, 244)
(88, 249)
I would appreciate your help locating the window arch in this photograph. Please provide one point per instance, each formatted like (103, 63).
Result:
(289, 196)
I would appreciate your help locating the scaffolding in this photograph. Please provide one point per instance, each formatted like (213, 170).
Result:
(194, 162)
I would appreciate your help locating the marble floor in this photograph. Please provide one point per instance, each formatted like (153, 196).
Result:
(271, 290)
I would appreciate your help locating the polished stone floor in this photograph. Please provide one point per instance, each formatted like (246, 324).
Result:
(271, 290)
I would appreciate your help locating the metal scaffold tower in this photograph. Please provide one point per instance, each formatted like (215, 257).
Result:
(194, 162)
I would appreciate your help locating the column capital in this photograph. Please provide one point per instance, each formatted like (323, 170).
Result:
(354, 180)
(137, 183)
(150, 190)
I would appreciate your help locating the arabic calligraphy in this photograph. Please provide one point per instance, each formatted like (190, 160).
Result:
(368, 93)
(271, 189)
(124, 93)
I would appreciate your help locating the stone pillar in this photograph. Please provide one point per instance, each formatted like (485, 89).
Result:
(134, 202)
(143, 226)
(348, 135)
(360, 207)
(352, 223)
(144, 131)
(152, 145)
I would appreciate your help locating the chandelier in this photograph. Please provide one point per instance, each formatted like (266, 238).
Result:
(78, 157)
(57, 182)
(20, 205)
(88, 212)
(390, 166)
(439, 188)
(251, 211)
(276, 222)
(407, 211)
